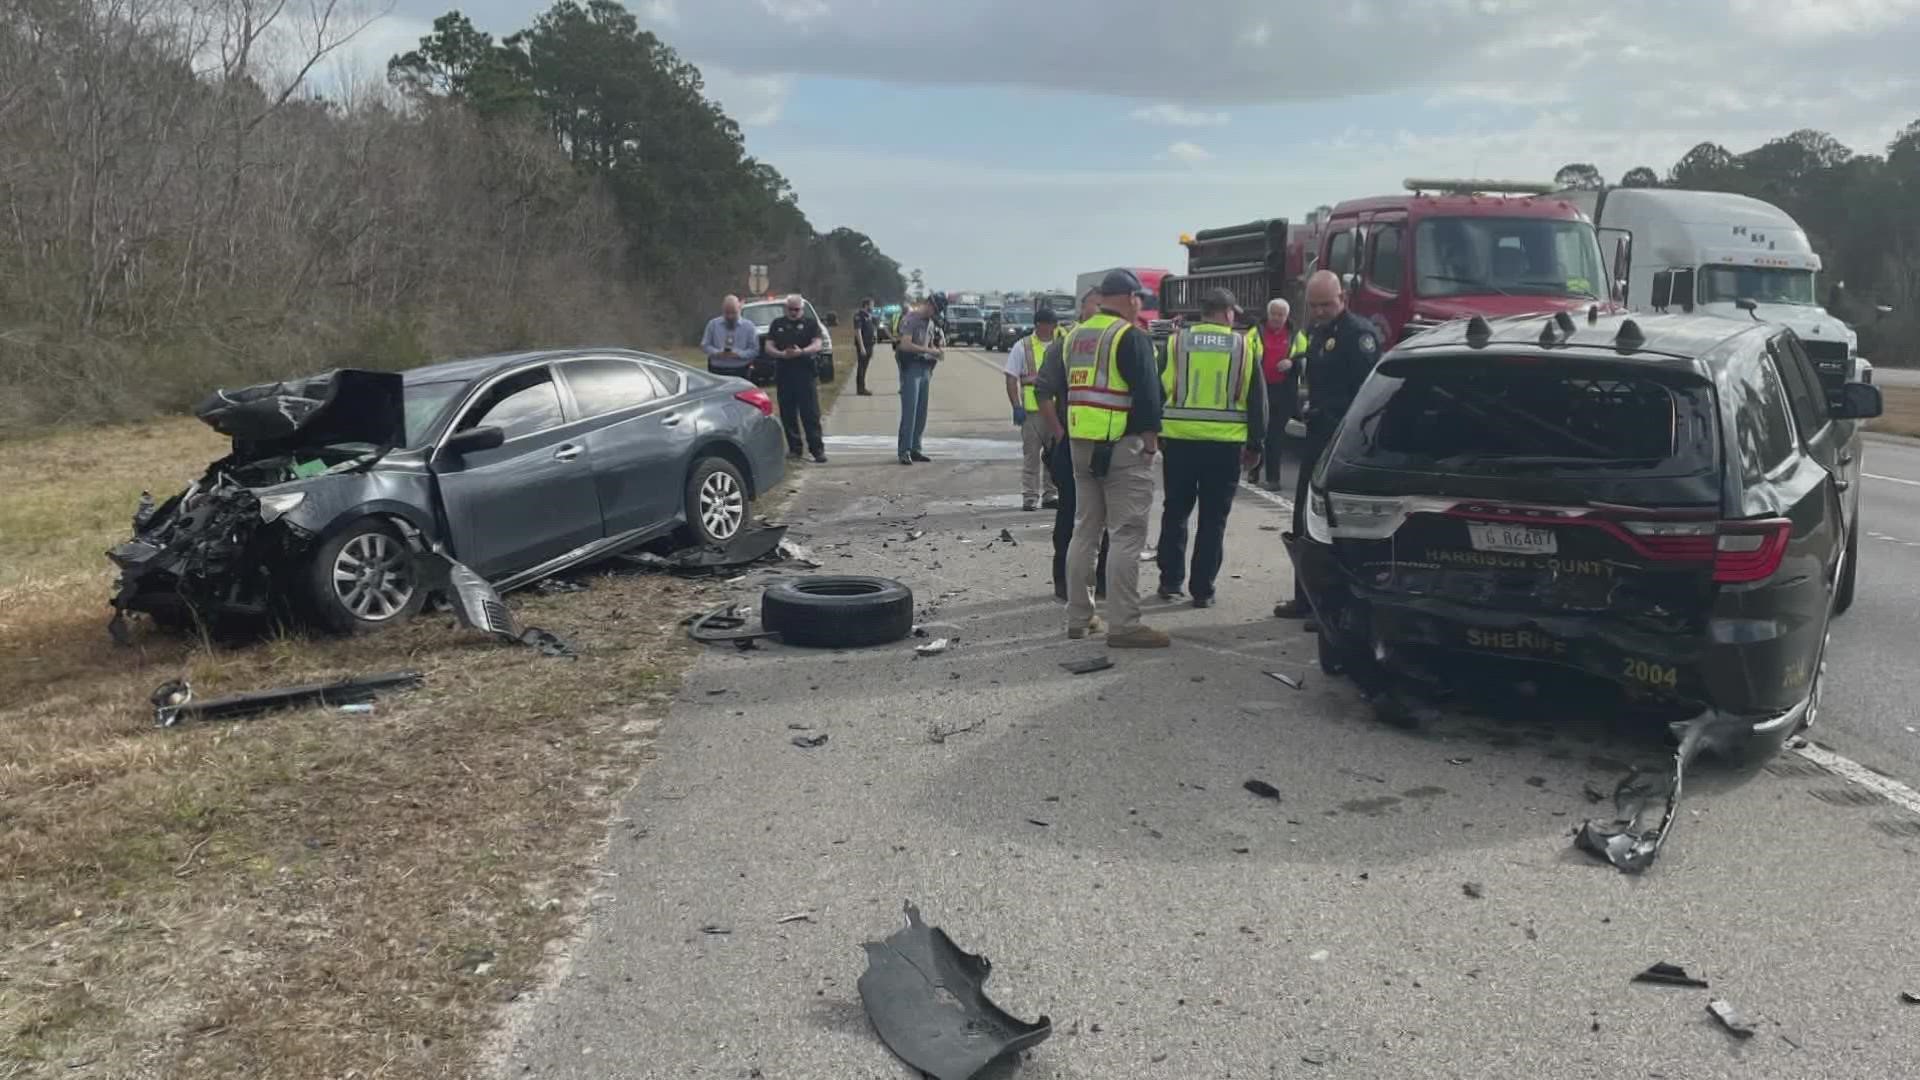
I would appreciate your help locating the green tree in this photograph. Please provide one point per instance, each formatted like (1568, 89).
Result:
(1640, 176)
(1579, 176)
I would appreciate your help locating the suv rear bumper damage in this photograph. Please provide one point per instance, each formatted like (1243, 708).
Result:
(1377, 636)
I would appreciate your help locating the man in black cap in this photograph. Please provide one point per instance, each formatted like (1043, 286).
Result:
(1110, 382)
(1341, 353)
(1213, 424)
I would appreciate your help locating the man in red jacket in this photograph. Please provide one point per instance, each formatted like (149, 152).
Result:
(1280, 349)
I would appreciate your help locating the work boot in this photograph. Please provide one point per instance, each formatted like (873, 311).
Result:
(1093, 628)
(918, 456)
(1059, 592)
(820, 456)
(1291, 609)
(1170, 591)
(1049, 502)
(864, 392)
(795, 455)
(1138, 637)
(1203, 601)
(1029, 503)
(905, 460)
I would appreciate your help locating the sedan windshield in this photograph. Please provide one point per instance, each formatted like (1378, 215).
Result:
(425, 401)
(1507, 255)
(1762, 284)
(1017, 314)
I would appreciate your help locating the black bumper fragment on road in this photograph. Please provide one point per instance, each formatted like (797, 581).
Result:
(1632, 840)
(173, 701)
(928, 1002)
(1664, 974)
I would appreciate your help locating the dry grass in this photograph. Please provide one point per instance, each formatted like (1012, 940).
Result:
(307, 894)
(1902, 416)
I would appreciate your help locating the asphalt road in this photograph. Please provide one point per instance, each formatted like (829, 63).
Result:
(1090, 835)
(1893, 376)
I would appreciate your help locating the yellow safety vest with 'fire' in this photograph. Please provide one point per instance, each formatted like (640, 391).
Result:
(1036, 355)
(1098, 398)
(1209, 375)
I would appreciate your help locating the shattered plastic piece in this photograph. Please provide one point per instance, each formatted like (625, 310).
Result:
(1730, 1018)
(916, 534)
(1287, 680)
(1910, 997)
(927, 1000)
(808, 742)
(747, 546)
(726, 624)
(798, 916)
(797, 554)
(559, 585)
(549, 643)
(1006, 537)
(934, 647)
(174, 701)
(1087, 667)
(1665, 974)
(1263, 789)
(1593, 792)
(358, 708)
(1629, 842)
(1474, 889)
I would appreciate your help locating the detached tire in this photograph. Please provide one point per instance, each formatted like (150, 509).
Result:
(834, 612)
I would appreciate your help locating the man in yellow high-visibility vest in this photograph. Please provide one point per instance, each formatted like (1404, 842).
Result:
(1213, 424)
(1023, 371)
(1111, 385)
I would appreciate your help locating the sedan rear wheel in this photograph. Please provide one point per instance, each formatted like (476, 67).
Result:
(364, 579)
(716, 502)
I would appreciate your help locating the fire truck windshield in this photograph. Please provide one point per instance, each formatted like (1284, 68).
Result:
(1475, 256)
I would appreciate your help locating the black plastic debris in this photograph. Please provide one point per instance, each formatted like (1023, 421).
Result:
(1290, 681)
(548, 642)
(1730, 1019)
(747, 546)
(1910, 997)
(927, 1000)
(726, 624)
(1474, 889)
(1086, 667)
(1632, 840)
(1006, 537)
(1263, 789)
(174, 701)
(808, 742)
(1664, 974)
(554, 586)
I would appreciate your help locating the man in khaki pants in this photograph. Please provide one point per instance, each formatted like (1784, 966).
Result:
(1110, 380)
(1023, 371)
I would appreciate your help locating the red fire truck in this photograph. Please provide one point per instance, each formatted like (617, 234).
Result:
(1447, 249)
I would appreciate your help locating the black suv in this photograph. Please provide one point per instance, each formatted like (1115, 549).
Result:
(1669, 504)
(1008, 325)
(965, 325)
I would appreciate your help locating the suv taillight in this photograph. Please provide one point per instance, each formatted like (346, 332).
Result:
(1750, 550)
(758, 399)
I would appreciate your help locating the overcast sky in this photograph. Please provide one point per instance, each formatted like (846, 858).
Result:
(997, 144)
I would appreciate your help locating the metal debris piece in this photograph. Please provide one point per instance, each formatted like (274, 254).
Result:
(715, 930)
(174, 701)
(1087, 667)
(808, 742)
(1263, 789)
(548, 642)
(798, 916)
(1664, 974)
(916, 534)
(934, 647)
(798, 554)
(1629, 842)
(559, 585)
(927, 1000)
(1006, 537)
(1474, 889)
(1730, 1018)
(725, 623)
(1910, 997)
(747, 546)
(940, 735)
(1042, 824)
(1290, 681)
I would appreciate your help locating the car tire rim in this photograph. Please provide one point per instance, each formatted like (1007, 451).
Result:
(373, 577)
(723, 506)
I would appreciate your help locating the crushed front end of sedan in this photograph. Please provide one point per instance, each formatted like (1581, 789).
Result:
(233, 542)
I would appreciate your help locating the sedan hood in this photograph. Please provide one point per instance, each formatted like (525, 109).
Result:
(347, 405)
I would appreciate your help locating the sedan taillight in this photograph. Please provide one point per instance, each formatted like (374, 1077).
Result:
(758, 399)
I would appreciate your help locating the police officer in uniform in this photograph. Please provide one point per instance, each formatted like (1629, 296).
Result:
(1341, 353)
(1213, 422)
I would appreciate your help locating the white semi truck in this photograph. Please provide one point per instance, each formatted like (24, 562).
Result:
(1710, 251)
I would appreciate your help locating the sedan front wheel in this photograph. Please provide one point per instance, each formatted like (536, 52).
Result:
(364, 579)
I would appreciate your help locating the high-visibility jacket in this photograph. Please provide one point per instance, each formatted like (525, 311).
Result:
(1208, 379)
(1098, 398)
(1296, 349)
(1036, 355)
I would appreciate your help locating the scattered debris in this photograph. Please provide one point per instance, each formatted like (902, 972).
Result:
(797, 554)
(1293, 682)
(173, 701)
(1730, 1018)
(1665, 974)
(1629, 842)
(1317, 1056)
(1087, 667)
(358, 708)
(940, 735)
(716, 931)
(726, 624)
(1320, 957)
(1910, 997)
(554, 585)
(1474, 889)
(1042, 824)
(1593, 792)
(927, 1000)
(934, 647)
(798, 916)
(748, 546)
(1459, 761)
(1263, 789)
(1006, 537)
(916, 534)
(808, 742)
(1537, 781)
(549, 643)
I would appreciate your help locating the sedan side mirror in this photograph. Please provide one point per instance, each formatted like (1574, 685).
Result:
(474, 440)
(1856, 401)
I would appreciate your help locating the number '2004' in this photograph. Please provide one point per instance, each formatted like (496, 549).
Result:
(1646, 671)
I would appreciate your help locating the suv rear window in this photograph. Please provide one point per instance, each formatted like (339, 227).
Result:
(1469, 416)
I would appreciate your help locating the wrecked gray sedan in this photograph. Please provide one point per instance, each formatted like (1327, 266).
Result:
(518, 466)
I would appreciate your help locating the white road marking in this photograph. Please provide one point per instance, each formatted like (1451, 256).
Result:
(1285, 504)
(1891, 479)
(1853, 772)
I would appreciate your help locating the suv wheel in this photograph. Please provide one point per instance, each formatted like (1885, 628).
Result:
(716, 502)
(364, 579)
(1849, 574)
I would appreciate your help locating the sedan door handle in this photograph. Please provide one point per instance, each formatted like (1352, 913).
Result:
(670, 419)
(566, 453)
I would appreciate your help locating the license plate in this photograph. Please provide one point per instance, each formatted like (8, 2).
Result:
(1513, 539)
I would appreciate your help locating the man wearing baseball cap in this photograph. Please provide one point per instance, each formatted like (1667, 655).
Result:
(1023, 370)
(1110, 380)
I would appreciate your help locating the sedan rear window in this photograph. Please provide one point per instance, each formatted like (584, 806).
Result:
(604, 386)
(1462, 416)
